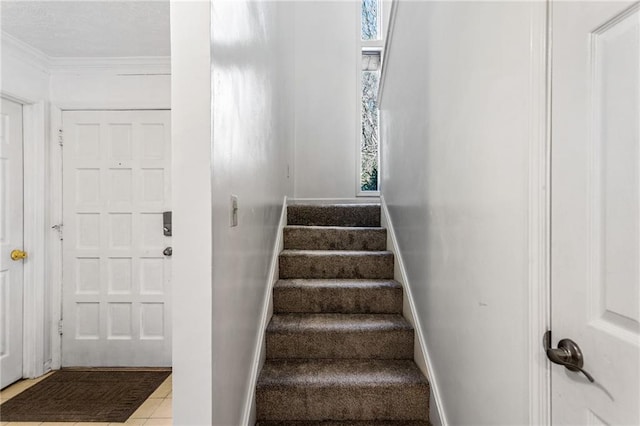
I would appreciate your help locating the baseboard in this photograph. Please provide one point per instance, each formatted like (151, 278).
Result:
(259, 355)
(421, 354)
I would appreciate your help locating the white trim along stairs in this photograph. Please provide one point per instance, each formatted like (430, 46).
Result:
(337, 348)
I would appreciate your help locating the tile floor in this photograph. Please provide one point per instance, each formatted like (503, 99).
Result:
(155, 411)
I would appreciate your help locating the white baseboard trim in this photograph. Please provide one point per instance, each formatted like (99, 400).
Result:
(259, 355)
(421, 354)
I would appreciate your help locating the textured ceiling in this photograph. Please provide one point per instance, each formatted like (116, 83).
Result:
(90, 28)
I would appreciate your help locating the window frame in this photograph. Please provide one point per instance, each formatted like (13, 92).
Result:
(362, 46)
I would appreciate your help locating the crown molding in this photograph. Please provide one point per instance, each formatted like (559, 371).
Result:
(386, 51)
(24, 52)
(146, 65)
(140, 65)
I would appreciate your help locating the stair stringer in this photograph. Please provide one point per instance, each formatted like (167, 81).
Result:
(421, 357)
(260, 352)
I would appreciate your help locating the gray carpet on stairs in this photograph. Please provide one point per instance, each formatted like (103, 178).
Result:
(336, 264)
(309, 336)
(334, 238)
(339, 352)
(350, 296)
(347, 215)
(346, 423)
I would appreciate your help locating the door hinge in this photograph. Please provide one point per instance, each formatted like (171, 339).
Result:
(60, 137)
(60, 327)
(58, 228)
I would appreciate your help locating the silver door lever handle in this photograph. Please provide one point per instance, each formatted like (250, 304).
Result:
(567, 354)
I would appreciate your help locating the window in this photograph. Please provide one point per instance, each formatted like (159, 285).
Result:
(370, 13)
(369, 121)
(370, 62)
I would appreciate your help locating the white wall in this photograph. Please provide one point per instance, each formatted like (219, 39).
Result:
(135, 83)
(110, 89)
(326, 98)
(191, 190)
(252, 136)
(456, 114)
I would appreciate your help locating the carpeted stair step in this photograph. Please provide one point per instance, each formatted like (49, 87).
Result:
(334, 214)
(339, 296)
(334, 238)
(336, 264)
(347, 389)
(345, 423)
(373, 336)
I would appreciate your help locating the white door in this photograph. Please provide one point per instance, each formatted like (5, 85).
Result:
(596, 209)
(11, 238)
(116, 287)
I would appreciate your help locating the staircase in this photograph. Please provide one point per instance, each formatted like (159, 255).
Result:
(339, 351)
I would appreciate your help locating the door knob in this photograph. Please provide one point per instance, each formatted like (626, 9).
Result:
(168, 251)
(18, 255)
(567, 354)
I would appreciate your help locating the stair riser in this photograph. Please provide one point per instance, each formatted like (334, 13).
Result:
(335, 239)
(362, 403)
(337, 266)
(332, 215)
(388, 344)
(340, 300)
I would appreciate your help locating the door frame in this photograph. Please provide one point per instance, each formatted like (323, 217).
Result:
(35, 214)
(55, 243)
(539, 217)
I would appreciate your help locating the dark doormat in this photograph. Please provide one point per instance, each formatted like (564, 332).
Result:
(83, 396)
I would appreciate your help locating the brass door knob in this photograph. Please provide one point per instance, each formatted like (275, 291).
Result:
(18, 255)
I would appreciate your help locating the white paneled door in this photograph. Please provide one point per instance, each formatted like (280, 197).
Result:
(11, 240)
(596, 210)
(116, 278)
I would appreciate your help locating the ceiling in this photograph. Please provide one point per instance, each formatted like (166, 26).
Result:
(89, 28)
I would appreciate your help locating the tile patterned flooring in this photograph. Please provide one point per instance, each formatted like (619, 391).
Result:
(155, 411)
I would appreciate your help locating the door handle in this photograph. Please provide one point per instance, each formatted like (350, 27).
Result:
(18, 255)
(567, 354)
(168, 251)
